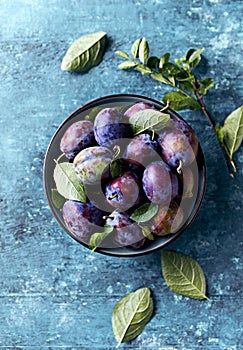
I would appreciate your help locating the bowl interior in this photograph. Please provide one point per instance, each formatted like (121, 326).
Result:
(191, 206)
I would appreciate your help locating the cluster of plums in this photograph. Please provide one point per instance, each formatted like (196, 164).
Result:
(153, 167)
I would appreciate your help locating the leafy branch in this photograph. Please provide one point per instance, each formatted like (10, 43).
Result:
(188, 91)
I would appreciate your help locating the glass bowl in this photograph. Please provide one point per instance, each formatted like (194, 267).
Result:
(190, 204)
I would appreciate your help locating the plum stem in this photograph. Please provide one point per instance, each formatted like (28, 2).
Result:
(117, 151)
(115, 195)
(178, 169)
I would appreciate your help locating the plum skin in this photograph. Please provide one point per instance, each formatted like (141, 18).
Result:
(142, 149)
(110, 126)
(157, 183)
(136, 108)
(78, 136)
(167, 220)
(127, 232)
(82, 219)
(178, 146)
(90, 164)
(123, 192)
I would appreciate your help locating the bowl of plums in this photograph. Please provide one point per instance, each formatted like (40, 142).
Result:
(124, 175)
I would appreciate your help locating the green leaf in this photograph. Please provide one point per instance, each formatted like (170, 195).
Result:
(219, 132)
(127, 65)
(186, 85)
(67, 183)
(164, 59)
(147, 233)
(179, 101)
(204, 85)
(233, 131)
(193, 57)
(183, 275)
(153, 62)
(144, 213)
(131, 314)
(135, 48)
(159, 77)
(97, 238)
(85, 53)
(122, 54)
(116, 168)
(143, 52)
(143, 69)
(171, 69)
(147, 119)
(171, 79)
(57, 199)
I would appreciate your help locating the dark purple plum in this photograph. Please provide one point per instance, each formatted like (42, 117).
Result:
(176, 148)
(123, 192)
(167, 220)
(78, 136)
(157, 183)
(140, 106)
(174, 183)
(109, 126)
(82, 219)
(127, 232)
(142, 149)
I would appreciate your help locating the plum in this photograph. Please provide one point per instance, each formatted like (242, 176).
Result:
(127, 232)
(142, 149)
(177, 151)
(157, 183)
(82, 219)
(109, 126)
(90, 164)
(167, 220)
(78, 136)
(136, 108)
(123, 191)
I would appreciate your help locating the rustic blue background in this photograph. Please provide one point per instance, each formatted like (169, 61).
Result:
(53, 293)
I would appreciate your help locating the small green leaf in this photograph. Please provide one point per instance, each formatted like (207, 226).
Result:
(147, 119)
(159, 77)
(179, 101)
(233, 131)
(143, 53)
(85, 53)
(193, 57)
(145, 213)
(67, 182)
(57, 199)
(147, 233)
(135, 48)
(164, 59)
(143, 69)
(131, 314)
(97, 238)
(171, 69)
(116, 168)
(183, 275)
(171, 80)
(153, 62)
(204, 85)
(122, 54)
(187, 85)
(219, 132)
(127, 64)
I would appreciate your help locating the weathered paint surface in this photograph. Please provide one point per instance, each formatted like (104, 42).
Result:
(53, 293)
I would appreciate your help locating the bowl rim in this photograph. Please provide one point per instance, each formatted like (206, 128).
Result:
(110, 251)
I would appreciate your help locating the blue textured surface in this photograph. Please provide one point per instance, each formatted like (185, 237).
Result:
(53, 293)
